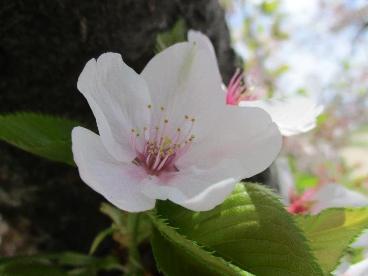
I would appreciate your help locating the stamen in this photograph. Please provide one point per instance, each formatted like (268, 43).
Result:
(239, 90)
(160, 146)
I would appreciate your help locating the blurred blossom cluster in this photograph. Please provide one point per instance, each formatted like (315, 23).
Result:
(286, 52)
(315, 49)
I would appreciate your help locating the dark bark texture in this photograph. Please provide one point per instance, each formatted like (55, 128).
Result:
(43, 48)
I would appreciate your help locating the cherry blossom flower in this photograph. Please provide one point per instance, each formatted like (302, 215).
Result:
(293, 115)
(314, 200)
(167, 133)
(331, 195)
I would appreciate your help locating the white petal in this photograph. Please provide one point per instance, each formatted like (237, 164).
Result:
(118, 97)
(358, 269)
(185, 80)
(244, 145)
(201, 40)
(342, 267)
(195, 189)
(118, 182)
(245, 135)
(335, 195)
(293, 115)
(362, 241)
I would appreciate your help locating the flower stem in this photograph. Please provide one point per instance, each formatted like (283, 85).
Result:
(134, 261)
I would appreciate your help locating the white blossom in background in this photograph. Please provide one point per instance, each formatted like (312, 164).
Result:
(317, 199)
(167, 133)
(346, 268)
(357, 269)
(293, 115)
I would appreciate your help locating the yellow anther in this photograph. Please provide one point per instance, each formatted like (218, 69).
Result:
(186, 117)
(193, 120)
(167, 141)
(178, 129)
(166, 121)
(162, 108)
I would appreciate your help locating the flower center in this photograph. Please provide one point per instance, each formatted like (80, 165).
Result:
(300, 204)
(238, 90)
(159, 146)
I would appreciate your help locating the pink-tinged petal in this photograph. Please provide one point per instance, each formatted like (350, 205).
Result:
(246, 136)
(185, 80)
(118, 182)
(193, 188)
(118, 97)
(335, 195)
(293, 115)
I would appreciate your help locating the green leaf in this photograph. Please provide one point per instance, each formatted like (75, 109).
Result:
(43, 135)
(118, 217)
(176, 34)
(304, 181)
(332, 231)
(250, 229)
(280, 70)
(120, 224)
(101, 236)
(322, 118)
(356, 254)
(276, 30)
(269, 6)
(175, 255)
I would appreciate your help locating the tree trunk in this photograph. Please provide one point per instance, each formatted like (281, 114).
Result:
(43, 48)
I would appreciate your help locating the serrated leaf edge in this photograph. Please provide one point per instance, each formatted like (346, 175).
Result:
(180, 240)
